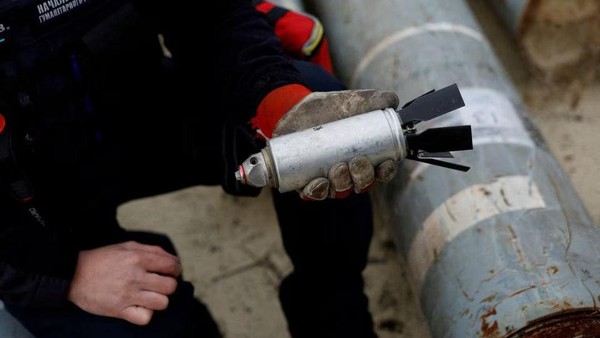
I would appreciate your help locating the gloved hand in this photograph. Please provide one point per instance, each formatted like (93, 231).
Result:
(316, 108)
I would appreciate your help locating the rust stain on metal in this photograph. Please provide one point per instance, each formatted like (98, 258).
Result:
(492, 273)
(584, 323)
(564, 306)
(489, 330)
(485, 191)
(469, 298)
(552, 270)
(489, 298)
(517, 247)
(521, 291)
(504, 198)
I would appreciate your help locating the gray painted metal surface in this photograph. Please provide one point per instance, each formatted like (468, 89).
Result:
(509, 243)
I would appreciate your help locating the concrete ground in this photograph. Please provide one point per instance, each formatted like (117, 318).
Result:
(231, 249)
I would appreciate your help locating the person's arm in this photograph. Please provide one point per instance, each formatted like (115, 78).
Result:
(42, 268)
(39, 269)
(253, 64)
(239, 49)
(127, 280)
(255, 79)
(36, 264)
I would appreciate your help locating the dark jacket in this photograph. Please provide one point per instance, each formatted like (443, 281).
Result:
(96, 112)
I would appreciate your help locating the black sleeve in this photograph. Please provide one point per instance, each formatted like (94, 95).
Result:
(36, 262)
(240, 57)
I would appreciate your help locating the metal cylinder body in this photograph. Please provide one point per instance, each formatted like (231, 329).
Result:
(504, 247)
(295, 159)
(299, 157)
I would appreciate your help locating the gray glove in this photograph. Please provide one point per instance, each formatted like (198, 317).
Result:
(322, 107)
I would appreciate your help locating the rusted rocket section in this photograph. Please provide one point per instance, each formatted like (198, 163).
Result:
(570, 324)
(559, 39)
(507, 249)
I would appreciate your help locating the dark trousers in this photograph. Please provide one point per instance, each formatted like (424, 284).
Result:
(327, 242)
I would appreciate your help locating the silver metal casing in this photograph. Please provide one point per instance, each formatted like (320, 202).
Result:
(295, 159)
